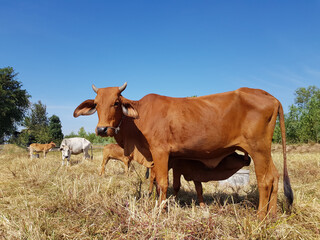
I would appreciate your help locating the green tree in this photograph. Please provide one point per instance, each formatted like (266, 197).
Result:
(82, 133)
(37, 116)
(55, 129)
(92, 137)
(303, 120)
(37, 126)
(14, 102)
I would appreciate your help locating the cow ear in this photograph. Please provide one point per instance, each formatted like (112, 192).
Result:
(129, 111)
(86, 108)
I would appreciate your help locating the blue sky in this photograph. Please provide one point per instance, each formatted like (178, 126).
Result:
(176, 48)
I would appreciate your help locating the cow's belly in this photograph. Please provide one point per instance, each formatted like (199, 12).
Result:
(76, 152)
(209, 158)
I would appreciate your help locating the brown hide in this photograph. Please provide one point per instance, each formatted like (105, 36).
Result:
(38, 147)
(114, 151)
(206, 128)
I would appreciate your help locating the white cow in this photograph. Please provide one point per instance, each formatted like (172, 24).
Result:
(75, 146)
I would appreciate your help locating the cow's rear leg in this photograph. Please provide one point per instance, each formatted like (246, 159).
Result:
(103, 165)
(198, 187)
(267, 180)
(85, 154)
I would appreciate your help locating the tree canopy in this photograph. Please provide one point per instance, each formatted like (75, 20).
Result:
(38, 128)
(303, 119)
(55, 129)
(92, 137)
(14, 102)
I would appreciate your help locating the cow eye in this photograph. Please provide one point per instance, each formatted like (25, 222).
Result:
(116, 104)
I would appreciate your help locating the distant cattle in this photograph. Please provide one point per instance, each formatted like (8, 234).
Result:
(198, 172)
(206, 129)
(114, 151)
(74, 146)
(38, 147)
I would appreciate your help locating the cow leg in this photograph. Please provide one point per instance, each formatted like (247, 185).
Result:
(86, 154)
(103, 165)
(176, 181)
(126, 162)
(198, 187)
(30, 153)
(274, 192)
(161, 171)
(152, 179)
(44, 154)
(267, 179)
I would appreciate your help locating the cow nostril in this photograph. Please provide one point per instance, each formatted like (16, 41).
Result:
(102, 130)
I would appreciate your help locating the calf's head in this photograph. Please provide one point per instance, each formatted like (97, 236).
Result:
(111, 108)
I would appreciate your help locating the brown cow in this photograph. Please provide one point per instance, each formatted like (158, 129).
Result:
(38, 147)
(198, 172)
(114, 151)
(206, 129)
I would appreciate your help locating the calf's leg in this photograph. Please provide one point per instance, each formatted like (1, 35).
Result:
(105, 160)
(198, 187)
(176, 181)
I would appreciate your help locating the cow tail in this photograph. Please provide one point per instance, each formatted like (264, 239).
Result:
(286, 180)
(91, 153)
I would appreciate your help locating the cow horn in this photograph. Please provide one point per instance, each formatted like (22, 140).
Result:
(123, 87)
(95, 88)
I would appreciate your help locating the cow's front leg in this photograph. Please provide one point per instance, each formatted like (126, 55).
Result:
(44, 154)
(126, 162)
(68, 161)
(161, 172)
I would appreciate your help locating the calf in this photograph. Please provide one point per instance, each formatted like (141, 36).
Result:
(38, 147)
(114, 151)
(199, 172)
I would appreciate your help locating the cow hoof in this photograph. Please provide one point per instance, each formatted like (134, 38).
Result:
(202, 205)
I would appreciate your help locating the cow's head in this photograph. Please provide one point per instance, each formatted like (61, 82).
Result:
(110, 106)
(65, 151)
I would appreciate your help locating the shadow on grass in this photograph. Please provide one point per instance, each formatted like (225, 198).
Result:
(248, 198)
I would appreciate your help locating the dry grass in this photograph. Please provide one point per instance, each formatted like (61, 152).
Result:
(39, 199)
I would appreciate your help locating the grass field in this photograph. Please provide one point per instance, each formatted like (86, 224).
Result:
(39, 199)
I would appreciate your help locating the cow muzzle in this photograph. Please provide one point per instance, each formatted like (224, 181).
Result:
(106, 131)
(102, 131)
